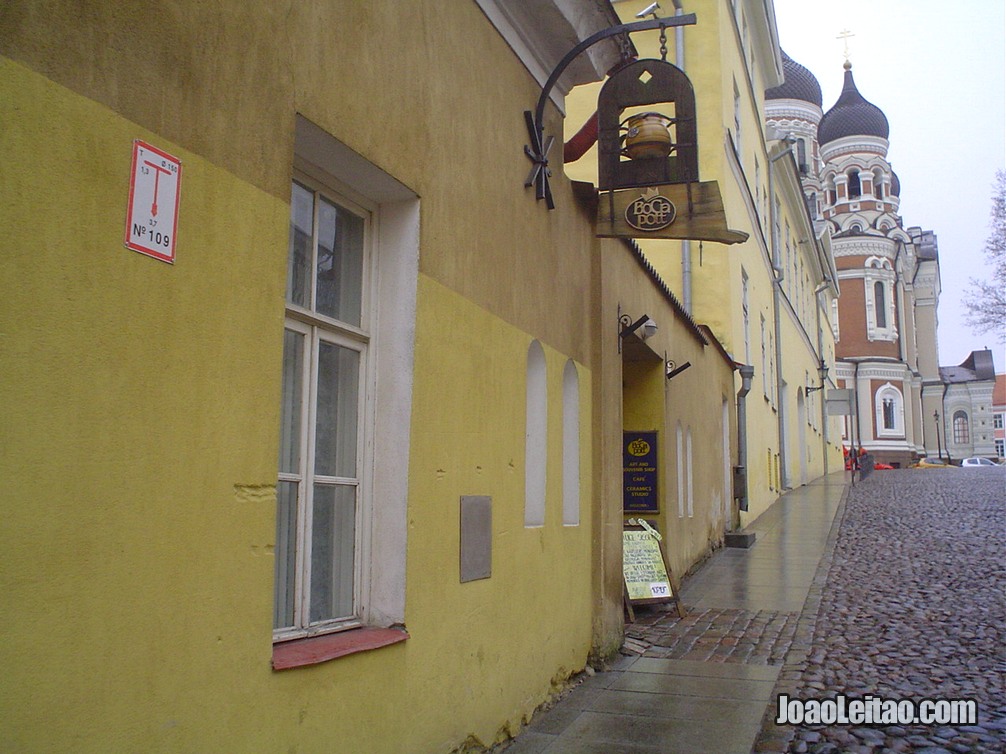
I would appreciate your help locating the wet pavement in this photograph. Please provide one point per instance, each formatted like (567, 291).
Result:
(895, 588)
(914, 607)
(703, 683)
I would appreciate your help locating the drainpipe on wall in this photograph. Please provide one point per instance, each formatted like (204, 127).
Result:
(820, 355)
(777, 279)
(858, 437)
(747, 374)
(899, 289)
(946, 435)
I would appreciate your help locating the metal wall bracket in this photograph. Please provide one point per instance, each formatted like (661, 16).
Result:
(538, 149)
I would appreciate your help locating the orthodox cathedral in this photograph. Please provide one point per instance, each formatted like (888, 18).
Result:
(885, 319)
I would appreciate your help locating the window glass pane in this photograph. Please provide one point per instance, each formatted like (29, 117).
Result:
(298, 274)
(340, 263)
(290, 422)
(888, 413)
(878, 297)
(286, 554)
(338, 406)
(333, 535)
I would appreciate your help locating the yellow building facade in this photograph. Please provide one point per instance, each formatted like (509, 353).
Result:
(346, 474)
(770, 297)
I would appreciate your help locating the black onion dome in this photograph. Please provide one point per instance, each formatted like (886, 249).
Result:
(852, 115)
(799, 83)
(895, 184)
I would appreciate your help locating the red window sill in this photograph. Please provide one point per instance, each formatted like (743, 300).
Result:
(317, 649)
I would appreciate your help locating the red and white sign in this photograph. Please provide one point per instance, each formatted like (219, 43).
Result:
(152, 215)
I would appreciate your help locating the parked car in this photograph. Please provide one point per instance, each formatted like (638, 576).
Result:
(976, 462)
(931, 463)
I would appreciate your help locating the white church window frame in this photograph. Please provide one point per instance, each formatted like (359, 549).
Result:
(961, 424)
(880, 319)
(889, 405)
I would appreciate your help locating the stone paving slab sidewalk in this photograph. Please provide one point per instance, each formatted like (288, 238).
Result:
(703, 683)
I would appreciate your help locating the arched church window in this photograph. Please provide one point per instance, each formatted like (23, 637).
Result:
(880, 307)
(855, 189)
(889, 404)
(801, 151)
(888, 412)
(878, 184)
(962, 435)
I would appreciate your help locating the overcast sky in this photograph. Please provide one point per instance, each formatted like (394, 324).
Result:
(938, 72)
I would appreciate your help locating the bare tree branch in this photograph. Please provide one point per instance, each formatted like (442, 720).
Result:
(985, 300)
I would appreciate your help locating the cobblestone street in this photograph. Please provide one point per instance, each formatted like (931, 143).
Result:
(908, 603)
(913, 607)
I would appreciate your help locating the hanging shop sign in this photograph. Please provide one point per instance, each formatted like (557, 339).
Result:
(639, 472)
(152, 210)
(648, 165)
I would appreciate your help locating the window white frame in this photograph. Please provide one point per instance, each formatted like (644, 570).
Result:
(889, 403)
(961, 426)
(394, 245)
(318, 329)
(879, 270)
(765, 377)
(536, 436)
(679, 448)
(688, 473)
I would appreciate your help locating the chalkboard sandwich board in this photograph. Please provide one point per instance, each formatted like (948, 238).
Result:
(644, 569)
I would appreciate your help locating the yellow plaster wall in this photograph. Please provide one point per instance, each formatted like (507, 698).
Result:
(141, 399)
(649, 401)
(506, 637)
(139, 482)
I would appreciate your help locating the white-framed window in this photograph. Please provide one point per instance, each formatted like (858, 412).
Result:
(765, 377)
(1000, 448)
(570, 445)
(536, 440)
(962, 429)
(834, 319)
(688, 473)
(878, 183)
(998, 420)
(320, 507)
(855, 188)
(680, 468)
(889, 405)
(352, 274)
(879, 282)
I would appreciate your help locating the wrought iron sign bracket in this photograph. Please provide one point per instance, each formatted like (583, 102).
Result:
(538, 150)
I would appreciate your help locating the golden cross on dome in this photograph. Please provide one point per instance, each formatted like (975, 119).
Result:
(844, 35)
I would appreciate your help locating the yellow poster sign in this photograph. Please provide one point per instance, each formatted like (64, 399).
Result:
(643, 567)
